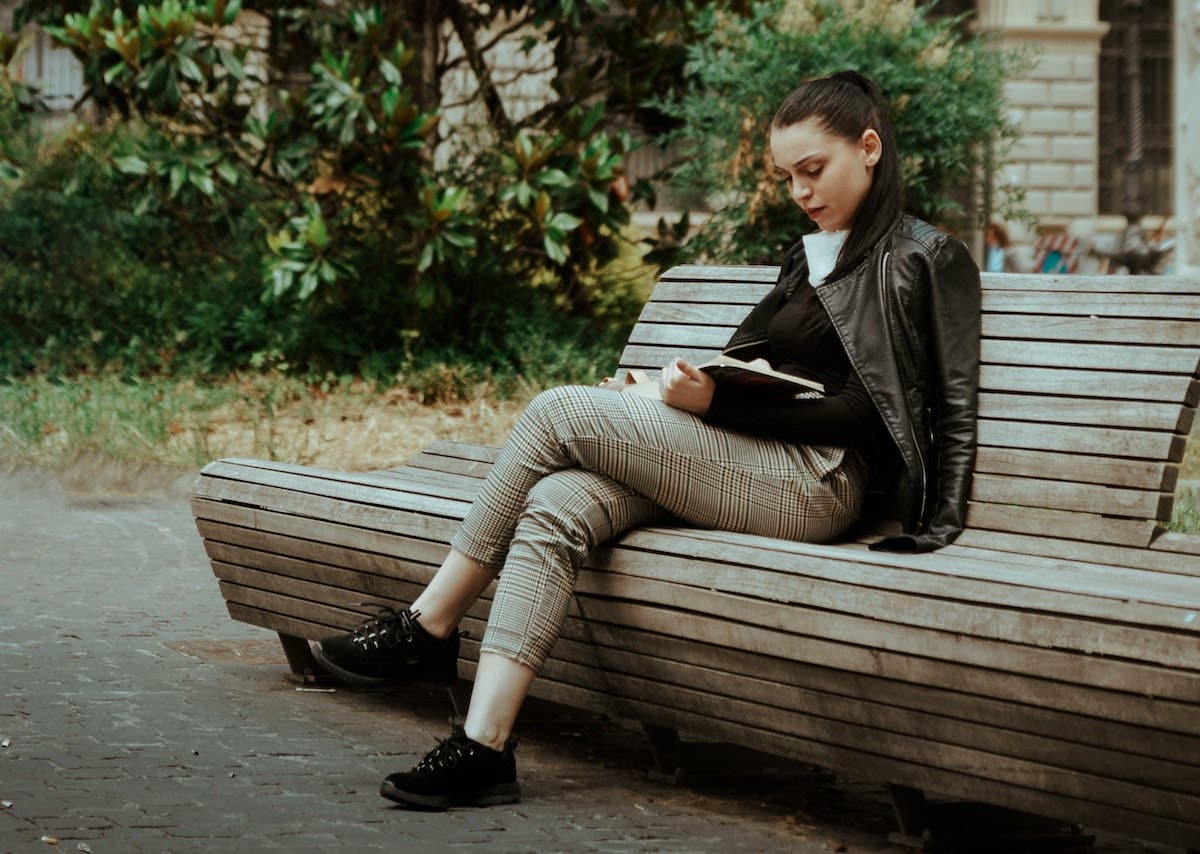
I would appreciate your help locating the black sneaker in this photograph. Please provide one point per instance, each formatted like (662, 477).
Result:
(459, 772)
(389, 647)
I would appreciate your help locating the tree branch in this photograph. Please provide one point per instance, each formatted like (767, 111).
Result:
(505, 33)
(465, 28)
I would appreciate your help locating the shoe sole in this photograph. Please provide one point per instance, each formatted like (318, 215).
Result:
(488, 796)
(376, 681)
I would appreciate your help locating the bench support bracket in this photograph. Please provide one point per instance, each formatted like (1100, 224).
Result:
(932, 827)
(304, 667)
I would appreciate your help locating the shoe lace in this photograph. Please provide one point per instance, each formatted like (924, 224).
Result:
(447, 754)
(388, 627)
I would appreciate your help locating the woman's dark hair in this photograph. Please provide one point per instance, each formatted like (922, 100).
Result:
(847, 104)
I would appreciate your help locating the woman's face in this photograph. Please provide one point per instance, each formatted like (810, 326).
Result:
(828, 176)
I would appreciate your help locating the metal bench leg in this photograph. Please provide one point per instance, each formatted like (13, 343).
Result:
(304, 668)
(664, 747)
(909, 806)
(929, 827)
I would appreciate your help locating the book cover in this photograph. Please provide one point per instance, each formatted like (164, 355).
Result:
(727, 370)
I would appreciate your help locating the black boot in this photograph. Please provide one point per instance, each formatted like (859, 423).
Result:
(458, 772)
(390, 647)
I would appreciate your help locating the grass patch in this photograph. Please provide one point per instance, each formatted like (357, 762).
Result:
(348, 425)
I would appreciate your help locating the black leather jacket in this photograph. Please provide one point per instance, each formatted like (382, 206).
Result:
(909, 317)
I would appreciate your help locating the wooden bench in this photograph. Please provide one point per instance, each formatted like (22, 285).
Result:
(1048, 662)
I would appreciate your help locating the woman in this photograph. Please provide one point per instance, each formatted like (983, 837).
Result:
(880, 307)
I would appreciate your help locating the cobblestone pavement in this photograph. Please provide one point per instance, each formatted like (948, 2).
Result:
(136, 716)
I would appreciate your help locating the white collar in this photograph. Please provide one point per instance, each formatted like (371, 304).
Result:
(822, 248)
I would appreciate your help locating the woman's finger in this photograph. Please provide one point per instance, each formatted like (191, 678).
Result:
(689, 370)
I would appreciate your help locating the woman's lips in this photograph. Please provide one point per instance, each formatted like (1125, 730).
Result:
(813, 213)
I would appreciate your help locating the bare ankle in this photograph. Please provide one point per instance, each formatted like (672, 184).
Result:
(436, 628)
(487, 736)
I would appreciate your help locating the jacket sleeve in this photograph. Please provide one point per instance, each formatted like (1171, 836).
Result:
(953, 388)
(844, 418)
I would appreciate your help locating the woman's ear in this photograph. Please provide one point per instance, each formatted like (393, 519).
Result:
(872, 147)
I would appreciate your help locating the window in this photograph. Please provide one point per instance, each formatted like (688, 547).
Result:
(1154, 25)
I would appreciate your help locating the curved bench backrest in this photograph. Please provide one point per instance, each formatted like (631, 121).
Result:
(1088, 389)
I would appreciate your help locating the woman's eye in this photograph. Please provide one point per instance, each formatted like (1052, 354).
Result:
(813, 173)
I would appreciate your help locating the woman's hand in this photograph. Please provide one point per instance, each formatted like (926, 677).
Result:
(611, 384)
(686, 387)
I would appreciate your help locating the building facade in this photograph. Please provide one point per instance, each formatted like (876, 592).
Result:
(1108, 117)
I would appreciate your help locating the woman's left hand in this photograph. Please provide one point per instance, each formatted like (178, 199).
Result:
(686, 387)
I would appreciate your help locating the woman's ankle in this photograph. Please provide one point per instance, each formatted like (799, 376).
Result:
(489, 736)
(438, 629)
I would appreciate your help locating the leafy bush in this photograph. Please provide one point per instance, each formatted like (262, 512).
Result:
(944, 94)
(87, 284)
(321, 122)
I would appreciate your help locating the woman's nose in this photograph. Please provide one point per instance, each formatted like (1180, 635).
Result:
(801, 192)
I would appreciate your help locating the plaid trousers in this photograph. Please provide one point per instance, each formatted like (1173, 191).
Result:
(585, 464)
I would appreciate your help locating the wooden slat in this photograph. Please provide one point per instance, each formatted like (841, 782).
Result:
(632, 650)
(1054, 381)
(720, 315)
(407, 521)
(679, 335)
(1111, 330)
(1024, 283)
(765, 274)
(1060, 523)
(1115, 358)
(1087, 498)
(215, 518)
(1086, 411)
(638, 356)
(460, 487)
(1056, 545)
(1115, 304)
(1143, 444)
(726, 293)
(364, 488)
(1078, 468)
(1177, 543)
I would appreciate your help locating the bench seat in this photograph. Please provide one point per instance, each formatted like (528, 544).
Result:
(1049, 661)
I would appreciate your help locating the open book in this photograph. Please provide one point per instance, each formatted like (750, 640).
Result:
(726, 370)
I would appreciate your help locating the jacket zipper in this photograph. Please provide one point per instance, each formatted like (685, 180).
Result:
(887, 317)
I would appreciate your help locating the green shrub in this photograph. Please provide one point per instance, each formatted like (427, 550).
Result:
(944, 93)
(89, 285)
(330, 206)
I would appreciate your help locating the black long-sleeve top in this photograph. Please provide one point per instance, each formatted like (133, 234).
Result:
(802, 341)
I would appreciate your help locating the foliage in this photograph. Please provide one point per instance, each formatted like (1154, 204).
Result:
(18, 100)
(87, 284)
(316, 133)
(944, 94)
